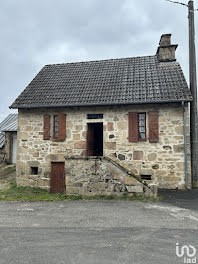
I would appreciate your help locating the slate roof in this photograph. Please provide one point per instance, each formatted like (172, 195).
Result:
(8, 124)
(134, 80)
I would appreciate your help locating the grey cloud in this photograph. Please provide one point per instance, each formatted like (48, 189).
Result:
(35, 33)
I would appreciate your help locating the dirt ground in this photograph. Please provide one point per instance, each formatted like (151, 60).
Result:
(7, 173)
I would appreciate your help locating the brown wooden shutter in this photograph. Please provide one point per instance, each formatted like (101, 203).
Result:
(133, 127)
(61, 127)
(46, 127)
(153, 127)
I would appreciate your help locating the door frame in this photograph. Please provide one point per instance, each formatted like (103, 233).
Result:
(13, 147)
(92, 123)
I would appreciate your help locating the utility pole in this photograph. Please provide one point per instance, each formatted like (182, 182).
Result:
(193, 88)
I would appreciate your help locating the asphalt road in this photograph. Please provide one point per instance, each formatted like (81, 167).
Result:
(185, 199)
(94, 232)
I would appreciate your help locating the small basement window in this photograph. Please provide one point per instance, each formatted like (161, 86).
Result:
(146, 177)
(94, 116)
(34, 170)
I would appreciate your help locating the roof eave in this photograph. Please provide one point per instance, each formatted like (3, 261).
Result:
(100, 104)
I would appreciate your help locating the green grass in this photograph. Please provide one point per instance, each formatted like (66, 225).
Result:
(123, 197)
(20, 193)
(15, 193)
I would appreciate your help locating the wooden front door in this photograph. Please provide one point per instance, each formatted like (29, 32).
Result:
(57, 177)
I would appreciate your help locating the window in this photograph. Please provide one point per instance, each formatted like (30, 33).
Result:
(146, 177)
(137, 127)
(58, 127)
(142, 126)
(34, 170)
(94, 116)
(55, 126)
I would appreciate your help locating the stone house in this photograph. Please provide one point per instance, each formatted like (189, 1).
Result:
(106, 127)
(8, 139)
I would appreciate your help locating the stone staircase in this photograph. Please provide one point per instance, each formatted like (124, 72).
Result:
(133, 183)
(103, 176)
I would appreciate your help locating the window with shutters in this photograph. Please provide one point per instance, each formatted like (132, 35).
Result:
(58, 130)
(55, 126)
(142, 126)
(137, 127)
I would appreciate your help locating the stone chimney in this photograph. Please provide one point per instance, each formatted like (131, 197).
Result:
(166, 51)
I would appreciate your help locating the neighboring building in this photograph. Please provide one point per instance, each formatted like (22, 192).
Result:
(8, 139)
(101, 127)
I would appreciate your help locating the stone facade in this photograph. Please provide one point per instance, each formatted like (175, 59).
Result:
(163, 161)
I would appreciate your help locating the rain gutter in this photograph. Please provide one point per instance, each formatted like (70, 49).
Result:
(185, 148)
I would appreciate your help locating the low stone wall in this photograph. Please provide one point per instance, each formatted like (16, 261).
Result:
(93, 176)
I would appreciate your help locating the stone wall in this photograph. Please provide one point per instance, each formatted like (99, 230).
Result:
(164, 160)
(8, 149)
(101, 176)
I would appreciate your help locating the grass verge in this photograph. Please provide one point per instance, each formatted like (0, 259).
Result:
(15, 193)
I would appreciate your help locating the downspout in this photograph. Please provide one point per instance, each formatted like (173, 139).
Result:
(185, 148)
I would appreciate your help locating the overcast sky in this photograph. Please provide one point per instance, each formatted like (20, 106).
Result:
(39, 32)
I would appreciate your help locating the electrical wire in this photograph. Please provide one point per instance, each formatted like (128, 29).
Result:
(175, 2)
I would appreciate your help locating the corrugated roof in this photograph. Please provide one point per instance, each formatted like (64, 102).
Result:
(134, 80)
(10, 123)
(2, 139)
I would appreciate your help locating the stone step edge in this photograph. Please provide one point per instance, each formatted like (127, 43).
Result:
(126, 170)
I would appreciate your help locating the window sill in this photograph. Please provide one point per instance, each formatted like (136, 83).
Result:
(57, 140)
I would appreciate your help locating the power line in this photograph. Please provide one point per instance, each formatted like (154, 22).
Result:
(175, 2)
